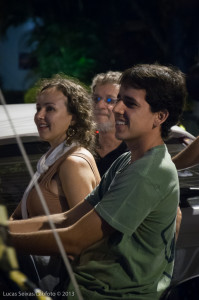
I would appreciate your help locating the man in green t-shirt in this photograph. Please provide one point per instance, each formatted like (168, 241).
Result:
(123, 234)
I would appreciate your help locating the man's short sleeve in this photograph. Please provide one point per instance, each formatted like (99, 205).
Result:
(128, 201)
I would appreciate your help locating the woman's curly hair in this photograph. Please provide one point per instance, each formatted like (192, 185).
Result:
(79, 104)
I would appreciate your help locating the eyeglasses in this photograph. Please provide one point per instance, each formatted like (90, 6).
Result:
(109, 100)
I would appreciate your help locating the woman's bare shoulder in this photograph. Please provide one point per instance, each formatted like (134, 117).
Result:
(79, 157)
(84, 153)
(80, 167)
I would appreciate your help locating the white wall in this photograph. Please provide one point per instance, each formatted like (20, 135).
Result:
(12, 77)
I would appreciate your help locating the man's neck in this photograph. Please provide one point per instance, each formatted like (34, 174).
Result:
(107, 143)
(139, 148)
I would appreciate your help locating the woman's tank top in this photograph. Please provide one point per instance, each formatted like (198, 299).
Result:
(56, 203)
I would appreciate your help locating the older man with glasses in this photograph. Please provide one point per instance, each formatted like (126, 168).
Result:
(105, 88)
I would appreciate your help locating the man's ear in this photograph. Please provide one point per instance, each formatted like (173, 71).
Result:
(160, 117)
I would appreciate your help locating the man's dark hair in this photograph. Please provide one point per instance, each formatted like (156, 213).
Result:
(165, 89)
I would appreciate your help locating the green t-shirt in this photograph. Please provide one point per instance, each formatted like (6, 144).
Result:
(140, 201)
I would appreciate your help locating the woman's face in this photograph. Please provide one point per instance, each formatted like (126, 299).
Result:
(52, 117)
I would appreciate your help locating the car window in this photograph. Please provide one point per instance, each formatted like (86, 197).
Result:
(14, 176)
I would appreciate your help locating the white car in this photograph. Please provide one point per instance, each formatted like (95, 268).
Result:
(22, 118)
(14, 175)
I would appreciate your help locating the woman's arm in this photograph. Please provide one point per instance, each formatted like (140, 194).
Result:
(77, 179)
(16, 215)
(188, 157)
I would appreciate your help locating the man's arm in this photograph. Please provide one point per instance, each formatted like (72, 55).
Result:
(178, 222)
(60, 220)
(188, 157)
(89, 229)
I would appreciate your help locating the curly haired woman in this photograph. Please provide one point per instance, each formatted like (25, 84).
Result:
(67, 173)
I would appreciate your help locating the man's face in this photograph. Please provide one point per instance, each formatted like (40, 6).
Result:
(104, 97)
(134, 120)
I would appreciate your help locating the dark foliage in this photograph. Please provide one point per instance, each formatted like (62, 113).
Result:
(82, 37)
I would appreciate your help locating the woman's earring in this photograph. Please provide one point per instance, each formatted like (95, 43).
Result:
(70, 133)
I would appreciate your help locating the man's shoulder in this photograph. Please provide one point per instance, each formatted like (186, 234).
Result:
(119, 163)
(122, 158)
(156, 160)
(160, 170)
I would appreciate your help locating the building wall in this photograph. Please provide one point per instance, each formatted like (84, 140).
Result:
(15, 74)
